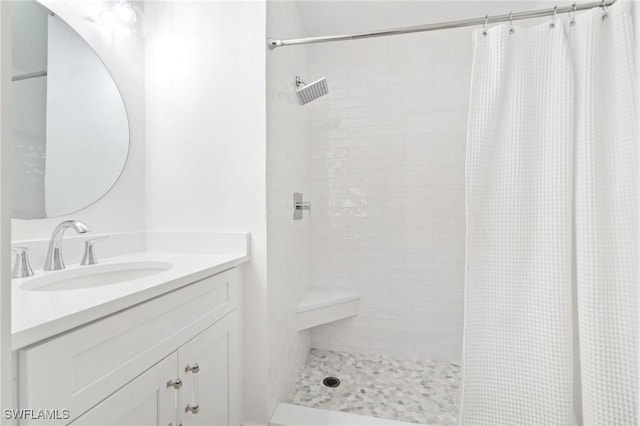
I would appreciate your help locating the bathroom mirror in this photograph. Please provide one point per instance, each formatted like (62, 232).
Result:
(70, 126)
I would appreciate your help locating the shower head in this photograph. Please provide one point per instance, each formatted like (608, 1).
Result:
(310, 92)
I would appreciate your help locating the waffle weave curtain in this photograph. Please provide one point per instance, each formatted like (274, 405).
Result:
(552, 237)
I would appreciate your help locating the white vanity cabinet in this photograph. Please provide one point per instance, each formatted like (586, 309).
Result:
(145, 400)
(123, 369)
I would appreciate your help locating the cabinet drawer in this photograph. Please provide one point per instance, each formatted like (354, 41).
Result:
(79, 369)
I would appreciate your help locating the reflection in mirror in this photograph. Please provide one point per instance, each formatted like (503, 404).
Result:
(70, 127)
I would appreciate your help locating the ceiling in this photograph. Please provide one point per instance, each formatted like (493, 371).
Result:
(327, 17)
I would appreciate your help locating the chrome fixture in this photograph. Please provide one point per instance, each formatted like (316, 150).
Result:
(195, 369)
(176, 384)
(54, 261)
(310, 92)
(273, 43)
(21, 267)
(194, 407)
(89, 257)
(605, 10)
(572, 15)
(552, 25)
(511, 29)
(299, 205)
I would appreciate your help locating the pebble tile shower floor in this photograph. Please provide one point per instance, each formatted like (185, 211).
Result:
(409, 390)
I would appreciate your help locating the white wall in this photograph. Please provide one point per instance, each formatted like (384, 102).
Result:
(387, 174)
(122, 208)
(206, 154)
(6, 161)
(287, 239)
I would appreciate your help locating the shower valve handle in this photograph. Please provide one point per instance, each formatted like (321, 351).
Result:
(299, 206)
(304, 205)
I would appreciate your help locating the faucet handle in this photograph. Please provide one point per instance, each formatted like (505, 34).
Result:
(89, 257)
(21, 266)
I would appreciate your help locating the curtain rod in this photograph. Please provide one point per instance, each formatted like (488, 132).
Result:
(273, 43)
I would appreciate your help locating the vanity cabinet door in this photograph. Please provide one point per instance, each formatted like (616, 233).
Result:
(146, 400)
(206, 364)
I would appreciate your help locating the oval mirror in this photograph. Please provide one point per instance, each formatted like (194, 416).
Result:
(70, 126)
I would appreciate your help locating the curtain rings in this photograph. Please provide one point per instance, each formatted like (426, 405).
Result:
(484, 26)
(552, 25)
(605, 10)
(511, 29)
(572, 15)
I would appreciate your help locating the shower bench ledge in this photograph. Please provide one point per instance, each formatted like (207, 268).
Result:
(322, 306)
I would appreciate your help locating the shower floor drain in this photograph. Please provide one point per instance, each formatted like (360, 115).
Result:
(331, 382)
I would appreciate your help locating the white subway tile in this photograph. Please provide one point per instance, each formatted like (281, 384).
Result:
(386, 168)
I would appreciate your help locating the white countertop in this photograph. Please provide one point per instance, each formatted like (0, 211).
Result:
(38, 315)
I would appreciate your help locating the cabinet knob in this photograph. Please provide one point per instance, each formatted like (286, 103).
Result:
(176, 384)
(193, 409)
(195, 368)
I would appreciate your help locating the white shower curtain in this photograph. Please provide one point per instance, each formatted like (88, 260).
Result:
(552, 237)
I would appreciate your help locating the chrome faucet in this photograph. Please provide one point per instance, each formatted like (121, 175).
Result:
(54, 260)
(21, 267)
(89, 256)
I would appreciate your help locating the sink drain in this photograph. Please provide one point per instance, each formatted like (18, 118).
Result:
(331, 382)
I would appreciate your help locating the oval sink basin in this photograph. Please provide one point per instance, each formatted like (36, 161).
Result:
(95, 276)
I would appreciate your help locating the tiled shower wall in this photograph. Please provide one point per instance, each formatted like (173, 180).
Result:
(387, 177)
(287, 239)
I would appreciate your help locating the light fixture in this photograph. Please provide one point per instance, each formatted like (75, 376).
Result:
(125, 13)
(123, 17)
